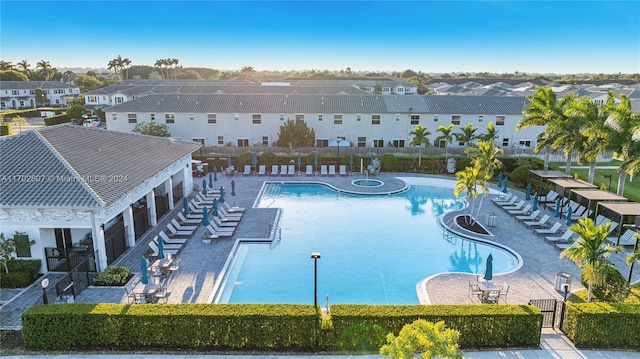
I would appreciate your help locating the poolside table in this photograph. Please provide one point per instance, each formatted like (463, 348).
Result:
(490, 292)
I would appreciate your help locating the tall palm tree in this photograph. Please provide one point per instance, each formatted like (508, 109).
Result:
(24, 65)
(544, 109)
(174, 62)
(6, 65)
(467, 134)
(420, 138)
(590, 251)
(159, 63)
(624, 130)
(446, 137)
(247, 71)
(467, 181)
(125, 64)
(485, 160)
(113, 65)
(490, 135)
(45, 69)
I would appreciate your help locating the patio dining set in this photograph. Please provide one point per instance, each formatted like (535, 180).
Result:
(488, 292)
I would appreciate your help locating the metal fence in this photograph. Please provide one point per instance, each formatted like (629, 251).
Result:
(72, 284)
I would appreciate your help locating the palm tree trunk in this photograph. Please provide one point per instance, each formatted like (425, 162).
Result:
(567, 165)
(420, 159)
(589, 294)
(621, 180)
(547, 156)
(592, 171)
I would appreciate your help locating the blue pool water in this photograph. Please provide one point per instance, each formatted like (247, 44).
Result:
(374, 249)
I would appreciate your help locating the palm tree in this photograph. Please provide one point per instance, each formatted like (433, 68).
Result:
(175, 69)
(467, 181)
(247, 71)
(544, 109)
(590, 251)
(446, 137)
(420, 138)
(466, 135)
(6, 65)
(113, 65)
(125, 64)
(484, 159)
(45, 69)
(635, 256)
(159, 63)
(624, 129)
(24, 65)
(490, 135)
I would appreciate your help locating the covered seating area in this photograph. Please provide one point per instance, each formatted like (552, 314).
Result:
(627, 212)
(545, 176)
(590, 198)
(564, 186)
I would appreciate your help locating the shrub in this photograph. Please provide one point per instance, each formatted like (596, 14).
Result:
(56, 120)
(268, 158)
(614, 287)
(6, 129)
(113, 275)
(389, 163)
(21, 273)
(244, 159)
(520, 176)
(603, 325)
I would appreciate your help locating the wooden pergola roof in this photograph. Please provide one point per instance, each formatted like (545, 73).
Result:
(624, 209)
(545, 174)
(598, 195)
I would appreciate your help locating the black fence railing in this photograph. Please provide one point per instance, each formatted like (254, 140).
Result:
(71, 285)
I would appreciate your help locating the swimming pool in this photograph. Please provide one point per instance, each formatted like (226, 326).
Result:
(374, 249)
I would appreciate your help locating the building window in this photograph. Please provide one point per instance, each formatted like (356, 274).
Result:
(282, 117)
(23, 248)
(499, 120)
(378, 143)
(524, 144)
(92, 99)
(153, 117)
(480, 118)
(397, 118)
(337, 119)
(221, 140)
(15, 92)
(199, 140)
(119, 99)
(256, 119)
(505, 142)
(375, 119)
(319, 117)
(358, 117)
(114, 117)
(211, 118)
(265, 141)
(415, 119)
(243, 142)
(300, 117)
(435, 118)
(322, 143)
(398, 143)
(169, 118)
(455, 120)
(21, 103)
(362, 142)
(133, 118)
(191, 117)
(33, 92)
(236, 116)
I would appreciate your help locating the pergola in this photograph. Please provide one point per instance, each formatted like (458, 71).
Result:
(630, 210)
(565, 185)
(596, 196)
(545, 175)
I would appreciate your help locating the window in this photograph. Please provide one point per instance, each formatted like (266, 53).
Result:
(435, 118)
(243, 142)
(221, 140)
(15, 92)
(480, 118)
(23, 248)
(375, 119)
(133, 118)
(505, 142)
(282, 117)
(256, 119)
(191, 117)
(300, 117)
(524, 144)
(319, 117)
(337, 119)
(378, 143)
(322, 143)
(63, 237)
(153, 117)
(21, 103)
(499, 120)
(169, 118)
(236, 116)
(398, 143)
(33, 92)
(265, 141)
(92, 99)
(455, 120)
(362, 142)
(118, 99)
(199, 140)
(415, 119)
(397, 118)
(211, 118)
(358, 117)
(114, 117)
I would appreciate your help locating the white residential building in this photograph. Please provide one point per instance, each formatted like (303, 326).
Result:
(22, 94)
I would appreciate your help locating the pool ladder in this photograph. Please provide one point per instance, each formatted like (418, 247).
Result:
(448, 235)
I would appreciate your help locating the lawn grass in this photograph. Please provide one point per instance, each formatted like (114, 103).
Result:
(581, 296)
(631, 188)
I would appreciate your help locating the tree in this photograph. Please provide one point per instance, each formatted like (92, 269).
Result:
(446, 137)
(408, 73)
(75, 111)
(125, 64)
(295, 134)
(6, 65)
(174, 65)
(423, 338)
(68, 76)
(12, 75)
(467, 181)
(624, 132)
(420, 139)
(466, 135)
(590, 251)
(115, 64)
(152, 129)
(24, 65)
(45, 69)
(490, 135)
(484, 160)
(87, 83)
(189, 74)
(8, 246)
(159, 63)
(41, 97)
(635, 256)
(247, 71)
(19, 121)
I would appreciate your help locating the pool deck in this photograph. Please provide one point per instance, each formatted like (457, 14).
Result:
(202, 264)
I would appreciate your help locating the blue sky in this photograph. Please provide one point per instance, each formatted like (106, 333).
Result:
(430, 36)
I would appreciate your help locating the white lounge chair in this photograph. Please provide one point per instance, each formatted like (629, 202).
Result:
(509, 202)
(523, 211)
(530, 217)
(343, 170)
(516, 206)
(228, 217)
(283, 170)
(173, 232)
(551, 196)
(232, 209)
(185, 220)
(332, 170)
(220, 223)
(274, 170)
(565, 238)
(323, 170)
(247, 170)
(262, 170)
(181, 227)
(201, 200)
(168, 240)
(601, 219)
(502, 197)
(194, 215)
(213, 233)
(215, 228)
(626, 239)
(540, 223)
(291, 170)
(551, 230)
(169, 246)
(154, 248)
(309, 171)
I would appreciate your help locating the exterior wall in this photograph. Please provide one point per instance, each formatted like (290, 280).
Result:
(11, 98)
(97, 100)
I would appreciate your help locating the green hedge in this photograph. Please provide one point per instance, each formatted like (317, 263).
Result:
(32, 112)
(6, 129)
(481, 326)
(603, 325)
(221, 326)
(21, 273)
(56, 120)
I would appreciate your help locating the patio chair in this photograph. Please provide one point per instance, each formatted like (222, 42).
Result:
(215, 232)
(283, 170)
(503, 292)
(131, 297)
(516, 206)
(247, 170)
(169, 240)
(530, 217)
(551, 230)
(323, 170)
(175, 267)
(565, 238)
(509, 202)
(503, 197)
(194, 215)
(232, 209)
(181, 227)
(185, 220)
(343, 170)
(202, 200)
(474, 291)
(291, 171)
(220, 223)
(274, 170)
(224, 215)
(262, 170)
(551, 196)
(332, 170)
(176, 233)
(525, 210)
(196, 207)
(584, 215)
(563, 246)
(309, 171)
(161, 295)
(626, 239)
(541, 223)
(600, 219)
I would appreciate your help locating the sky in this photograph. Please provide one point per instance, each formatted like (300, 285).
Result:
(431, 36)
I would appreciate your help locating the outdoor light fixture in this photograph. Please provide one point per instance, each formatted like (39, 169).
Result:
(339, 140)
(45, 284)
(315, 256)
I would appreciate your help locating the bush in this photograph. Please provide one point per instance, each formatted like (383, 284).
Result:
(244, 159)
(389, 163)
(520, 176)
(6, 129)
(603, 325)
(113, 276)
(614, 287)
(21, 273)
(268, 158)
(56, 120)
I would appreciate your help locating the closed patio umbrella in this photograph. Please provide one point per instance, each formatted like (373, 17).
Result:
(556, 213)
(569, 217)
(205, 216)
(351, 161)
(535, 202)
(185, 205)
(315, 160)
(215, 173)
(215, 208)
(204, 186)
(160, 247)
(506, 182)
(228, 160)
(233, 191)
(488, 272)
(299, 161)
(528, 193)
(221, 194)
(500, 177)
(210, 180)
(371, 162)
(144, 268)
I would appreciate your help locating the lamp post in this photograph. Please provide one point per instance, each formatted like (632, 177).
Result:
(609, 177)
(315, 256)
(45, 284)
(339, 140)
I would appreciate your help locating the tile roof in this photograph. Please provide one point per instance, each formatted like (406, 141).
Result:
(64, 154)
(30, 85)
(476, 104)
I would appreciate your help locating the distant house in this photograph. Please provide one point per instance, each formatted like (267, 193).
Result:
(85, 193)
(22, 94)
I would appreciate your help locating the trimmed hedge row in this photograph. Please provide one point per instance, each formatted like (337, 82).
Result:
(480, 326)
(56, 120)
(603, 325)
(21, 273)
(6, 129)
(354, 328)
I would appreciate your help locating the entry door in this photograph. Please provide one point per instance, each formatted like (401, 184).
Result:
(63, 237)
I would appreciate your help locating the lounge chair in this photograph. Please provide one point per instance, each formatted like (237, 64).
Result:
(274, 170)
(196, 206)
(530, 217)
(563, 246)
(154, 248)
(291, 170)
(565, 238)
(552, 205)
(551, 196)
(181, 227)
(626, 239)
(220, 223)
(212, 227)
(540, 223)
(173, 232)
(283, 170)
(184, 220)
(309, 171)
(232, 209)
(168, 240)
(502, 197)
(202, 200)
(169, 246)
(323, 170)
(213, 233)
(194, 215)
(584, 215)
(262, 170)
(228, 217)
(343, 170)
(601, 219)
(510, 202)
(332, 170)
(551, 230)
(516, 206)
(523, 211)
(247, 170)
